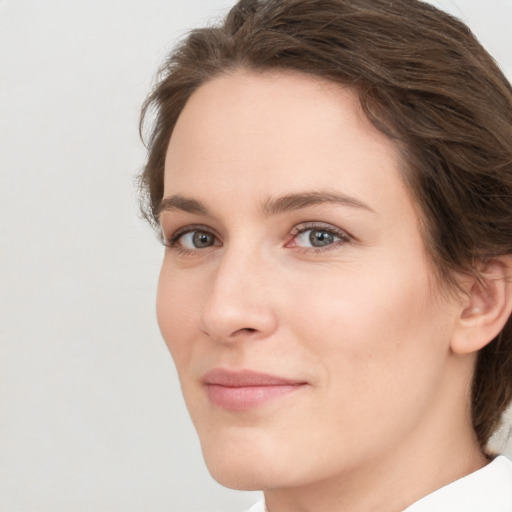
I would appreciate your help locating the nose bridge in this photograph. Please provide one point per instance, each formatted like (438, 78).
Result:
(238, 302)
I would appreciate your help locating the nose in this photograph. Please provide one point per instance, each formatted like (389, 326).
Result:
(239, 298)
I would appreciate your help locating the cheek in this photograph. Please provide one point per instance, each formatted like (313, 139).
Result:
(379, 330)
(377, 348)
(175, 314)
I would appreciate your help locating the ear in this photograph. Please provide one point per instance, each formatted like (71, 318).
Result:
(486, 308)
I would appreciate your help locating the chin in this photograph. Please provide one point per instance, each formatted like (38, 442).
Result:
(248, 479)
(245, 466)
(238, 472)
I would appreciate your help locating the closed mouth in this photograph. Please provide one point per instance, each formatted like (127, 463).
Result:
(246, 389)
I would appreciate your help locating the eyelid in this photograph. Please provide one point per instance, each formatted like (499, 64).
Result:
(342, 234)
(172, 240)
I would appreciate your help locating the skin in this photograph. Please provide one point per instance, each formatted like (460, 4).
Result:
(359, 321)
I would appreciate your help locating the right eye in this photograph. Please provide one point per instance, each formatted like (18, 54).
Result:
(197, 240)
(193, 239)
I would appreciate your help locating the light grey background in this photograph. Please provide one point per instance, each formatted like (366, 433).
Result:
(91, 418)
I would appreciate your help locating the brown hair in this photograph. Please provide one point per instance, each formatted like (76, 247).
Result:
(424, 80)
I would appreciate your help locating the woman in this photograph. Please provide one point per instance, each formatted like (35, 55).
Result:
(332, 180)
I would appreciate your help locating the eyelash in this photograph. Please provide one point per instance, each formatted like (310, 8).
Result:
(173, 241)
(343, 236)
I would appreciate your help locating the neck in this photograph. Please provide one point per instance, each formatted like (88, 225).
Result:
(377, 486)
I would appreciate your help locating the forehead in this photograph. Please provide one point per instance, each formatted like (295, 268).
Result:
(264, 134)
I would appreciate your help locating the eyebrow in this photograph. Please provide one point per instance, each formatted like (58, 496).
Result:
(304, 199)
(272, 206)
(184, 204)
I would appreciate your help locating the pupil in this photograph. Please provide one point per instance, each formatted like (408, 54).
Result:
(320, 238)
(201, 239)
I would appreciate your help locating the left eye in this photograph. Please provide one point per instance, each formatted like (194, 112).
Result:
(317, 237)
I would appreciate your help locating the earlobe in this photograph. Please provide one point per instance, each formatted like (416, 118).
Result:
(487, 307)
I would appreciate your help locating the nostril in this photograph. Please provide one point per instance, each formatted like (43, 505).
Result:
(247, 330)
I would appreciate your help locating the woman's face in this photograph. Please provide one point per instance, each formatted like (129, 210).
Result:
(295, 294)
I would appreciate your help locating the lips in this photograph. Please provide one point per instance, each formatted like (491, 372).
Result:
(243, 390)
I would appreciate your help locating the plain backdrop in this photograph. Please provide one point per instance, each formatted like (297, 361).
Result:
(91, 417)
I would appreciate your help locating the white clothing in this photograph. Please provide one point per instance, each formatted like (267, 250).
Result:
(257, 507)
(487, 490)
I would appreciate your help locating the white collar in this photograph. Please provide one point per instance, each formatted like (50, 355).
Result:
(487, 490)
